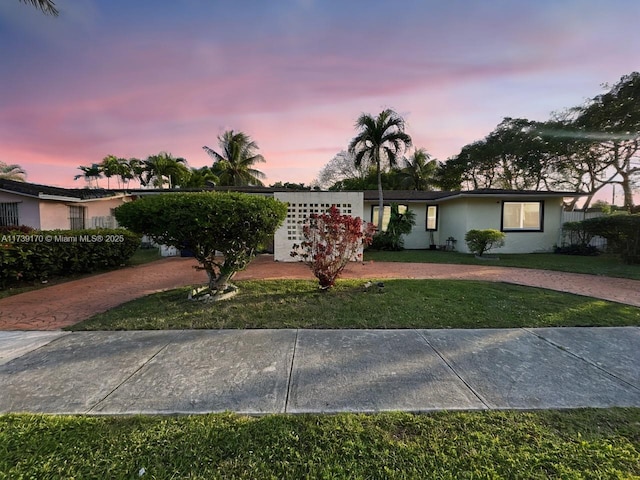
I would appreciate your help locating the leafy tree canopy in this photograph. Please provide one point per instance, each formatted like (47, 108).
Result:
(233, 224)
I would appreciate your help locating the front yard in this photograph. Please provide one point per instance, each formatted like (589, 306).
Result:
(399, 304)
(607, 265)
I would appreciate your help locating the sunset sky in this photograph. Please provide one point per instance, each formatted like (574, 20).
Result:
(136, 77)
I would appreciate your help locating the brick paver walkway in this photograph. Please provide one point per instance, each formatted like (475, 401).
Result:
(62, 305)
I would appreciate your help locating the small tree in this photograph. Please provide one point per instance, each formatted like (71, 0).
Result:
(233, 224)
(331, 240)
(481, 241)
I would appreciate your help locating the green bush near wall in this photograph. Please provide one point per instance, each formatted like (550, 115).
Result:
(622, 232)
(38, 255)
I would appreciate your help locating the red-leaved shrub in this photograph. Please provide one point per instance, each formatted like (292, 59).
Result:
(331, 240)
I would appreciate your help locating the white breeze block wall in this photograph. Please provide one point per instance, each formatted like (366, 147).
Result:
(303, 204)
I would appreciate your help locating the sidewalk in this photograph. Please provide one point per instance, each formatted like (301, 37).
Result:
(297, 371)
(58, 306)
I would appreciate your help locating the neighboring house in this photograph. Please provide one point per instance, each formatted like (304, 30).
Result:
(532, 220)
(49, 208)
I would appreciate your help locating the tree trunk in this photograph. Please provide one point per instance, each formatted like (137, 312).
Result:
(380, 200)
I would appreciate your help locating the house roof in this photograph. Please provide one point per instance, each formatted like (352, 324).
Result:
(420, 196)
(46, 191)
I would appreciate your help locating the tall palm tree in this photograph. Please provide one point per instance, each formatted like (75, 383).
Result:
(419, 171)
(12, 172)
(234, 166)
(91, 173)
(381, 140)
(113, 166)
(48, 7)
(135, 170)
(164, 167)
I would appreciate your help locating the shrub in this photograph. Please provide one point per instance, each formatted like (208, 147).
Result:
(399, 224)
(233, 224)
(481, 241)
(578, 238)
(38, 255)
(331, 240)
(622, 232)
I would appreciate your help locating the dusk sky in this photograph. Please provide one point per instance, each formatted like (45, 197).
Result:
(133, 78)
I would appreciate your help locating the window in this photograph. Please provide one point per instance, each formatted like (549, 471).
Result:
(386, 215)
(9, 214)
(522, 216)
(76, 217)
(432, 217)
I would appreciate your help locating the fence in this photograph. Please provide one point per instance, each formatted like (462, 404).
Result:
(577, 216)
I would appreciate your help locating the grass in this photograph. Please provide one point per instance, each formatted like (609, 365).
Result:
(498, 445)
(140, 257)
(402, 304)
(608, 265)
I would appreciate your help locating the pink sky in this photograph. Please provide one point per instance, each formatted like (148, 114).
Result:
(112, 78)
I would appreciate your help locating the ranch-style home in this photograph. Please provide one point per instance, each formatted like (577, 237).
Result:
(532, 220)
(52, 208)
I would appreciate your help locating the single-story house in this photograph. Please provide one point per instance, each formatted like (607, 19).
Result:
(49, 208)
(532, 220)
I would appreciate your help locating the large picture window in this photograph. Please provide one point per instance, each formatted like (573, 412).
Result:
(386, 215)
(9, 214)
(522, 216)
(432, 217)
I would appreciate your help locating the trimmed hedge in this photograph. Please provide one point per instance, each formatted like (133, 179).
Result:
(622, 233)
(38, 255)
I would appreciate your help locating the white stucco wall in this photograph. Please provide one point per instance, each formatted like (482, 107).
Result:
(418, 239)
(301, 205)
(53, 215)
(461, 215)
(28, 213)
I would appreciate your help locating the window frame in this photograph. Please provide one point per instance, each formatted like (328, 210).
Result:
(5, 208)
(72, 218)
(426, 220)
(523, 229)
(384, 207)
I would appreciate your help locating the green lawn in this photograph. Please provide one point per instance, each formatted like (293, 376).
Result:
(608, 265)
(402, 304)
(598, 444)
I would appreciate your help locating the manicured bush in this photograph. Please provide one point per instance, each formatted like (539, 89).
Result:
(233, 224)
(481, 241)
(622, 232)
(38, 255)
(331, 241)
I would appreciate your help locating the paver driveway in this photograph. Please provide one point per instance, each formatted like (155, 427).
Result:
(68, 303)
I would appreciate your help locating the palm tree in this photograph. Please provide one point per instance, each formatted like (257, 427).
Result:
(48, 7)
(164, 167)
(234, 166)
(419, 171)
(12, 172)
(134, 170)
(200, 177)
(381, 140)
(113, 166)
(94, 172)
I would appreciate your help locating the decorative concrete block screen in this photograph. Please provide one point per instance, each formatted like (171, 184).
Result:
(303, 204)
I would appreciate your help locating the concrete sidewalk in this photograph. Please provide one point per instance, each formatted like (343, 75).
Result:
(295, 371)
